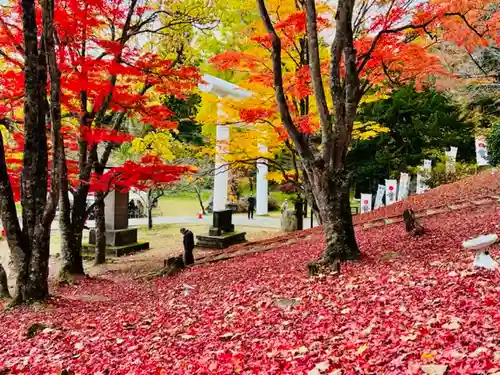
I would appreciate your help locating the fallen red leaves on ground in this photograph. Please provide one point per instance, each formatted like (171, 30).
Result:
(407, 303)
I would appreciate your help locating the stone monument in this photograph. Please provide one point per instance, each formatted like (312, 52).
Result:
(221, 234)
(120, 239)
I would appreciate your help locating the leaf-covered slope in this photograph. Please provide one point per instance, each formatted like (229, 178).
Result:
(408, 302)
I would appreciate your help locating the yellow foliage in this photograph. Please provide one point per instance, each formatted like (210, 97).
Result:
(367, 130)
(246, 139)
(155, 143)
(5, 133)
(373, 97)
(208, 113)
(278, 177)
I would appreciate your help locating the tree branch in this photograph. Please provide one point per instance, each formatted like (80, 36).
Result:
(8, 212)
(284, 110)
(55, 110)
(317, 82)
(412, 26)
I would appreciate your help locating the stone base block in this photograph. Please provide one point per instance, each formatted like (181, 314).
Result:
(289, 222)
(221, 242)
(214, 231)
(118, 251)
(119, 237)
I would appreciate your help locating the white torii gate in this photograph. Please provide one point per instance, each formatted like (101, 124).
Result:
(224, 89)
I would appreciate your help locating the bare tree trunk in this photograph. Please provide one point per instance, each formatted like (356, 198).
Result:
(150, 217)
(29, 246)
(149, 207)
(72, 263)
(100, 228)
(4, 286)
(325, 170)
(31, 249)
(334, 207)
(200, 200)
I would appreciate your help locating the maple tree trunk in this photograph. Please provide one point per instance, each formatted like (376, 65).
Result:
(100, 230)
(71, 225)
(29, 246)
(31, 283)
(71, 228)
(310, 197)
(332, 193)
(71, 245)
(150, 217)
(325, 170)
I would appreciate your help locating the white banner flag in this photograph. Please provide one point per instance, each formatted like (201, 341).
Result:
(420, 184)
(481, 152)
(404, 186)
(380, 195)
(451, 161)
(391, 187)
(425, 173)
(366, 203)
(453, 152)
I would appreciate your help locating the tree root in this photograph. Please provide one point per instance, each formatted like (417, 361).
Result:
(412, 226)
(35, 329)
(65, 277)
(171, 266)
(323, 266)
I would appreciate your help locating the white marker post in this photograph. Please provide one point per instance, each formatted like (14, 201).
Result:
(481, 152)
(379, 197)
(366, 203)
(391, 187)
(404, 186)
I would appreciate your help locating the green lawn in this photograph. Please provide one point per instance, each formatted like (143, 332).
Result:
(180, 204)
(186, 203)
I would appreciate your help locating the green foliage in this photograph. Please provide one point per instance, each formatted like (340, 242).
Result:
(422, 125)
(439, 176)
(493, 142)
(483, 105)
(234, 18)
(188, 130)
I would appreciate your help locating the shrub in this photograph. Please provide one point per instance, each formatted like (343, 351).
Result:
(493, 142)
(273, 204)
(440, 176)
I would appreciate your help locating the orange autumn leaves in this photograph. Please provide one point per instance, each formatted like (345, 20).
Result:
(399, 56)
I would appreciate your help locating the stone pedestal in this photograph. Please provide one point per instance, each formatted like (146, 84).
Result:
(120, 239)
(222, 223)
(289, 221)
(221, 234)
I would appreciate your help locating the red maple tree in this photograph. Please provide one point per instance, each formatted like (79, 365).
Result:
(99, 75)
(376, 45)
